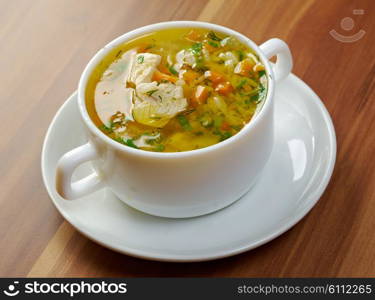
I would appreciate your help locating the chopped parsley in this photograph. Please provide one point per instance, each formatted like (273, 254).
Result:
(242, 83)
(261, 73)
(241, 56)
(196, 48)
(213, 44)
(223, 135)
(140, 59)
(130, 143)
(212, 35)
(172, 70)
(254, 98)
(127, 142)
(149, 93)
(184, 122)
(259, 95)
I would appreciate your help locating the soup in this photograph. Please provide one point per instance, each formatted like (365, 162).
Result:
(176, 90)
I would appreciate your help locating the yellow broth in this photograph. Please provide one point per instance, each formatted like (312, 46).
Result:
(222, 90)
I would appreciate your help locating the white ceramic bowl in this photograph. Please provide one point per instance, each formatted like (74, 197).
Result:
(181, 184)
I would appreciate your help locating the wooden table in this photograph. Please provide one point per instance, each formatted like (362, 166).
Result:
(44, 46)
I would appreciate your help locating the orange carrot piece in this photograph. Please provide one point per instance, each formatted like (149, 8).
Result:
(162, 68)
(258, 67)
(225, 126)
(244, 67)
(193, 36)
(215, 77)
(159, 76)
(190, 76)
(209, 48)
(224, 88)
(200, 95)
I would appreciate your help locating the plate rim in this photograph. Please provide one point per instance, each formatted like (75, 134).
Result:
(155, 256)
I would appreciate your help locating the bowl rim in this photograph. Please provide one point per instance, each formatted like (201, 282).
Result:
(98, 57)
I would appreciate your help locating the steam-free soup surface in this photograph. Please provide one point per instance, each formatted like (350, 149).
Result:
(176, 90)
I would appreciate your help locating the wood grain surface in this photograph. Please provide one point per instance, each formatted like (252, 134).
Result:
(44, 46)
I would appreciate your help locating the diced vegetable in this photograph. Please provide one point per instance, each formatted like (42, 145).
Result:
(224, 88)
(215, 77)
(212, 35)
(196, 48)
(261, 73)
(225, 126)
(160, 77)
(164, 69)
(172, 70)
(211, 46)
(193, 36)
(245, 67)
(200, 95)
(184, 122)
(258, 67)
(190, 75)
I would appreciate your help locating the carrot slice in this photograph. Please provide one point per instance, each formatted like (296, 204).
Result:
(209, 48)
(200, 95)
(215, 77)
(162, 68)
(244, 67)
(225, 126)
(224, 88)
(159, 76)
(193, 36)
(190, 76)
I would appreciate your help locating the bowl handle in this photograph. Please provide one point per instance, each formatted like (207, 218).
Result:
(284, 62)
(65, 168)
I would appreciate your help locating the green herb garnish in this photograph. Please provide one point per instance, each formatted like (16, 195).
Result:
(223, 135)
(254, 98)
(213, 44)
(149, 93)
(212, 35)
(241, 56)
(140, 59)
(172, 70)
(242, 83)
(196, 48)
(127, 142)
(184, 122)
(259, 95)
(261, 73)
(130, 143)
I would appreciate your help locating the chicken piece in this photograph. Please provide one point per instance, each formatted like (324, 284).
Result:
(111, 94)
(155, 104)
(144, 67)
(230, 60)
(184, 57)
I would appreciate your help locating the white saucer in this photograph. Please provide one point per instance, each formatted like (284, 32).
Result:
(294, 179)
